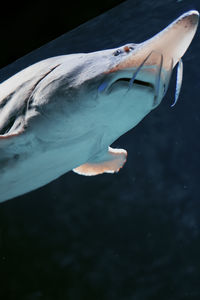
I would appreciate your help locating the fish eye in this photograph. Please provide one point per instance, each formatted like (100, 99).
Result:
(117, 52)
(126, 49)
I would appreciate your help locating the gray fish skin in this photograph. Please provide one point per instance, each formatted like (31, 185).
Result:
(63, 113)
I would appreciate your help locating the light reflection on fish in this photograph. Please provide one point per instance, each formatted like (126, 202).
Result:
(63, 113)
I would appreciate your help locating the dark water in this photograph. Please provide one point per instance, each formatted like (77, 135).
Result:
(130, 236)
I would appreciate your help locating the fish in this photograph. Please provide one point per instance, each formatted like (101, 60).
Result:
(63, 113)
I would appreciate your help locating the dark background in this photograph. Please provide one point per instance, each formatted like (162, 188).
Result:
(131, 236)
(27, 25)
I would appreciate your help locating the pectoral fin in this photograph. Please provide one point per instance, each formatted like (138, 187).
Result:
(108, 162)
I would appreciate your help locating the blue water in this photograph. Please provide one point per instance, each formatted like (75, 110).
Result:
(130, 236)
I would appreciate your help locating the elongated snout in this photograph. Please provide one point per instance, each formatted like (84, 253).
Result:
(174, 40)
(171, 43)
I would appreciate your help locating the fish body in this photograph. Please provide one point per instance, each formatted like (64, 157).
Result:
(63, 113)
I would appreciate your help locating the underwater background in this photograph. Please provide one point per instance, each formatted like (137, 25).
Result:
(134, 235)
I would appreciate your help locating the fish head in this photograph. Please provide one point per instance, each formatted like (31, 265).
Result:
(112, 89)
(137, 75)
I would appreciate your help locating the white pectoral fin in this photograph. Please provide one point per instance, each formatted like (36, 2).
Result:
(109, 162)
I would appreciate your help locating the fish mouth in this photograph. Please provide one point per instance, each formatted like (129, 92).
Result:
(137, 82)
(136, 79)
